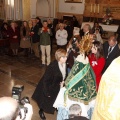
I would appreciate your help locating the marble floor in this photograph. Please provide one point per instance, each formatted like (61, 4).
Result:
(23, 71)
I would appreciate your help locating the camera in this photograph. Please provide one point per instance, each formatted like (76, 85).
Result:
(74, 42)
(74, 45)
(16, 94)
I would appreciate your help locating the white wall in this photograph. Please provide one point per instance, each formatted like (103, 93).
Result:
(41, 8)
(77, 8)
(52, 7)
(33, 8)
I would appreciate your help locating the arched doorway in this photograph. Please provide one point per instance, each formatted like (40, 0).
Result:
(43, 8)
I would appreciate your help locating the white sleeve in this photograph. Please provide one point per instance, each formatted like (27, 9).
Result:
(28, 114)
(59, 102)
(30, 111)
(58, 35)
(65, 34)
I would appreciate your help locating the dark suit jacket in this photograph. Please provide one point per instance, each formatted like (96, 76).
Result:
(49, 85)
(35, 37)
(69, 31)
(114, 54)
(118, 32)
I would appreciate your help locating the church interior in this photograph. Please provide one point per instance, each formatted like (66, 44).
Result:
(26, 71)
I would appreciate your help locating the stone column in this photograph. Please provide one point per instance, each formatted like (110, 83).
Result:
(26, 9)
(33, 8)
(56, 8)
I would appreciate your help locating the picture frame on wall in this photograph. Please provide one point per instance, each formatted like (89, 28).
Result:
(73, 1)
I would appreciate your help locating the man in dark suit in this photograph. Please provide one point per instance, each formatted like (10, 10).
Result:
(118, 34)
(35, 38)
(111, 51)
(69, 30)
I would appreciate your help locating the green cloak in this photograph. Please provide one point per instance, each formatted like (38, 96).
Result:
(80, 83)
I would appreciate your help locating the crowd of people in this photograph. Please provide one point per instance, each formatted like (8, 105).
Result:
(74, 79)
(87, 58)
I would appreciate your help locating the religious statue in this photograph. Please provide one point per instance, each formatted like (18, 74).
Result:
(107, 18)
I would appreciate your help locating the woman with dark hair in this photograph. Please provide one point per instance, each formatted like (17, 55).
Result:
(75, 22)
(39, 22)
(49, 86)
(5, 31)
(97, 26)
(97, 61)
(25, 37)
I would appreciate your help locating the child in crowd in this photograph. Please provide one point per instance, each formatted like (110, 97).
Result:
(97, 60)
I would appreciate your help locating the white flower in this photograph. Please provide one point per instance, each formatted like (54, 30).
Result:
(94, 63)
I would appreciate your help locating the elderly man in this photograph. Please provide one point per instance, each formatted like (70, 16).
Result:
(111, 51)
(85, 30)
(9, 109)
(75, 112)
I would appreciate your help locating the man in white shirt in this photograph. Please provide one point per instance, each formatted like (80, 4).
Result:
(61, 37)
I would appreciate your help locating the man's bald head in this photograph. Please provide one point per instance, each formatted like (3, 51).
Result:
(8, 108)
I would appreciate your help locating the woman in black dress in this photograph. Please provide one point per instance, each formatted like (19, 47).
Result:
(49, 86)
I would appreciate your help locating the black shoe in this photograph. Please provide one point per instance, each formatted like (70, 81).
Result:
(42, 116)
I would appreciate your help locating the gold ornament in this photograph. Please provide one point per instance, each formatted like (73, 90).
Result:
(86, 44)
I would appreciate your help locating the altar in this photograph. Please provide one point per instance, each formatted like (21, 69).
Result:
(108, 28)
